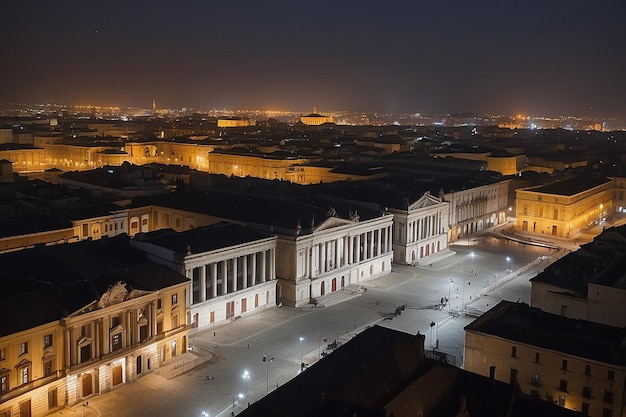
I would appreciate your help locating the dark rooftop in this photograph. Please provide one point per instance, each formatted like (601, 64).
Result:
(572, 186)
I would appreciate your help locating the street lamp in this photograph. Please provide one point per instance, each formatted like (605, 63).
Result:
(449, 302)
(508, 262)
(301, 353)
(227, 394)
(267, 372)
(246, 376)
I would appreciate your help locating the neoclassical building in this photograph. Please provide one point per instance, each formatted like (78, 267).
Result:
(329, 257)
(563, 209)
(475, 208)
(82, 320)
(420, 232)
(231, 268)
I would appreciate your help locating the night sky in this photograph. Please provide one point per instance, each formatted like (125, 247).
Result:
(537, 57)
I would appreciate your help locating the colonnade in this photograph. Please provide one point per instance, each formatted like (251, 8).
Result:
(425, 227)
(227, 276)
(335, 253)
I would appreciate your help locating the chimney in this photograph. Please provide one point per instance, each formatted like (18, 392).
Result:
(492, 372)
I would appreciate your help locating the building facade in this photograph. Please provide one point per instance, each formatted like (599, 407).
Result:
(420, 233)
(576, 364)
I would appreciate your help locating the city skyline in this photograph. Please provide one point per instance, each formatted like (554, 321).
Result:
(561, 58)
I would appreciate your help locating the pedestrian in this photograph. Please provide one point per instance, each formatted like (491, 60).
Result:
(213, 334)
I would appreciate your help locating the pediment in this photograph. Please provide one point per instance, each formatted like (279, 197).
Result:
(425, 201)
(332, 222)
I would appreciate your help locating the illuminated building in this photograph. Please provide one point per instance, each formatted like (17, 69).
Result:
(587, 284)
(25, 158)
(315, 119)
(577, 364)
(26, 231)
(563, 209)
(421, 231)
(231, 269)
(275, 165)
(101, 320)
(476, 208)
(233, 121)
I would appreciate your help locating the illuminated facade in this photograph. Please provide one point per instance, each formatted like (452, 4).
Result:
(563, 209)
(476, 208)
(271, 166)
(332, 256)
(24, 158)
(90, 332)
(233, 122)
(420, 232)
(315, 119)
(231, 269)
(576, 364)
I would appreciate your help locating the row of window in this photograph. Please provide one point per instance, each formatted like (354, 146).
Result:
(23, 348)
(610, 373)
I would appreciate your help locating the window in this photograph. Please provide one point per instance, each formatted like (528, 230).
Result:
(562, 400)
(607, 412)
(563, 385)
(158, 304)
(4, 383)
(587, 370)
(23, 348)
(564, 365)
(584, 409)
(48, 367)
(608, 397)
(611, 376)
(513, 378)
(513, 351)
(47, 341)
(534, 393)
(586, 392)
(115, 321)
(174, 299)
(535, 380)
(116, 341)
(24, 374)
(537, 357)
(3, 354)
(52, 398)
(85, 230)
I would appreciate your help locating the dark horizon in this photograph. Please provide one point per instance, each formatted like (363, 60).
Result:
(561, 58)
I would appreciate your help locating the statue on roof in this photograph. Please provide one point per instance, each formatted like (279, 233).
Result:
(115, 294)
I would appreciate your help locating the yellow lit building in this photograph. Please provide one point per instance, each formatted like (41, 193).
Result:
(240, 164)
(90, 331)
(233, 121)
(565, 208)
(576, 364)
(25, 158)
(315, 119)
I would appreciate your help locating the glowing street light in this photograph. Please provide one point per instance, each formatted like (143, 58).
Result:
(246, 376)
(301, 353)
(508, 262)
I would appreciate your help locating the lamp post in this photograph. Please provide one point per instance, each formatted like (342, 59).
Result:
(508, 262)
(227, 394)
(246, 376)
(301, 353)
(449, 300)
(267, 372)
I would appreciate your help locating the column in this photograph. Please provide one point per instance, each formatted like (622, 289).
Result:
(214, 280)
(389, 239)
(153, 321)
(203, 283)
(350, 250)
(68, 342)
(358, 249)
(253, 271)
(263, 265)
(272, 264)
(224, 278)
(371, 248)
(234, 273)
(107, 337)
(323, 257)
(244, 271)
(378, 242)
